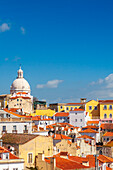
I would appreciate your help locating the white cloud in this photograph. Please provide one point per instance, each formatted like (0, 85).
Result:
(16, 58)
(50, 84)
(4, 27)
(6, 59)
(22, 30)
(103, 87)
(109, 81)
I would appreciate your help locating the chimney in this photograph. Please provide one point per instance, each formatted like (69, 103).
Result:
(53, 162)
(44, 127)
(83, 100)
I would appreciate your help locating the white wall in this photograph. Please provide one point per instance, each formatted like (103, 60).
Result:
(10, 166)
(19, 126)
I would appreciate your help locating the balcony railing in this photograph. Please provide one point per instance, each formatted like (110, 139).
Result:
(14, 131)
(25, 131)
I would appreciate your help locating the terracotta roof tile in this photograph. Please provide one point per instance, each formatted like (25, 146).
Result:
(15, 114)
(88, 131)
(62, 114)
(109, 144)
(66, 164)
(17, 138)
(74, 104)
(108, 134)
(92, 122)
(78, 109)
(106, 126)
(60, 136)
(85, 137)
(91, 127)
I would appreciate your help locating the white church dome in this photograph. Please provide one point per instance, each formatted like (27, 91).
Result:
(20, 84)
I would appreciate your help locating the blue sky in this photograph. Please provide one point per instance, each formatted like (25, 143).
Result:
(65, 47)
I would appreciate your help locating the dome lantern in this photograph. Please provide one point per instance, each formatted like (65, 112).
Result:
(20, 84)
(20, 73)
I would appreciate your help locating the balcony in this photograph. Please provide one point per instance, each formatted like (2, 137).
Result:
(14, 131)
(25, 131)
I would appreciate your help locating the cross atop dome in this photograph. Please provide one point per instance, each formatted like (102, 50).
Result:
(20, 73)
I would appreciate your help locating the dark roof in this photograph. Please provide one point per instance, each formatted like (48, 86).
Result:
(11, 138)
(108, 126)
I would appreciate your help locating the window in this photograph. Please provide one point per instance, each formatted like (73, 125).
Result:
(25, 126)
(110, 107)
(61, 107)
(7, 156)
(95, 107)
(14, 127)
(75, 107)
(4, 128)
(90, 107)
(105, 107)
(80, 120)
(75, 113)
(110, 116)
(75, 120)
(29, 157)
(67, 108)
(104, 139)
(105, 116)
(17, 100)
(71, 108)
(15, 168)
(107, 139)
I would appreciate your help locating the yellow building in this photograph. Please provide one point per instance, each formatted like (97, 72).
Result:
(59, 107)
(28, 146)
(47, 112)
(92, 107)
(106, 109)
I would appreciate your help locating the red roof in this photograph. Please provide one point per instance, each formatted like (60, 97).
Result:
(106, 126)
(85, 137)
(15, 114)
(91, 127)
(88, 131)
(105, 101)
(93, 122)
(21, 93)
(14, 109)
(62, 114)
(60, 137)
(11, 156)
(104, 158)
(46, 119)
(66, 164)
(23, 97)
(108, 134)
(36, 118)
(70, 104)
(78, 109)
(78, 159)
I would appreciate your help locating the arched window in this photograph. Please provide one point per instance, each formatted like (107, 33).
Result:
(110, 107)
(67, 108)
(110, 116)
(105, 116)
(105, 107)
